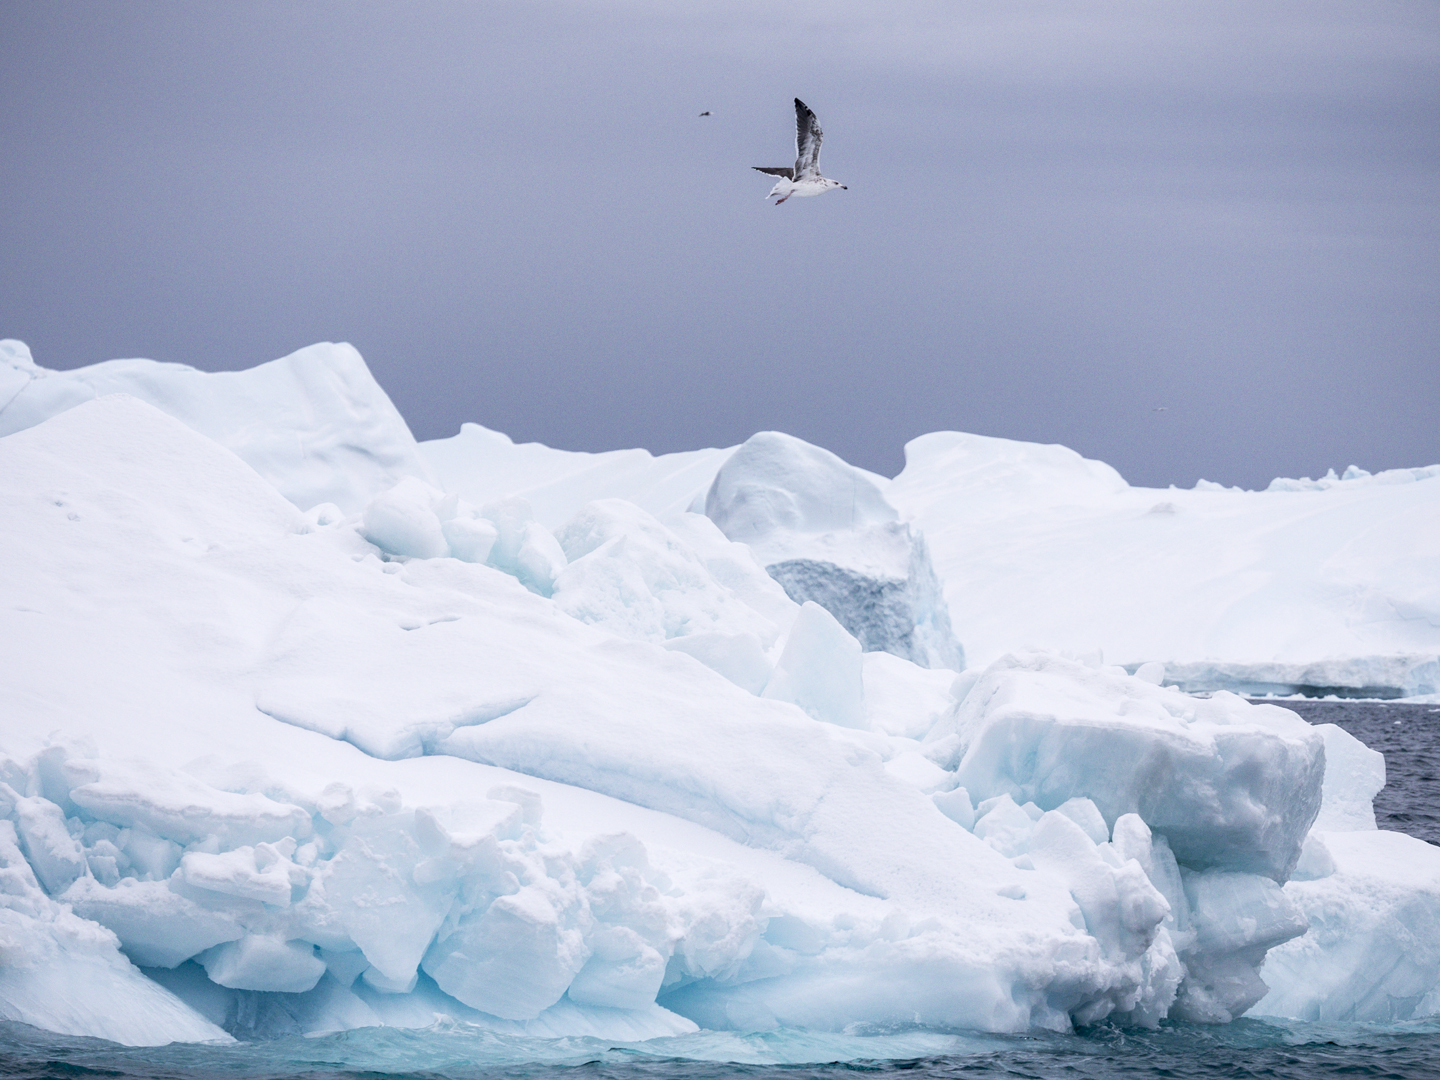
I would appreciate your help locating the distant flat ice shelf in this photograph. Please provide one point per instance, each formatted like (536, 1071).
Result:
(1385, 676)
(1331, 588)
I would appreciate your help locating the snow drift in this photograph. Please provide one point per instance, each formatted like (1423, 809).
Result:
(580, 766)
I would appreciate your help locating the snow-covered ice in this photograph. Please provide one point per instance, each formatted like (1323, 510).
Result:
(314, 423)
(306, 728)
(1309, 587)
(484, 466)
(823, 529)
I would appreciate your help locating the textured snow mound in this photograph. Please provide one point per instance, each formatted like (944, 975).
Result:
(61, 971)
(351, 778)
(484, 466)
(315, 423)
(1326, 587)
(414, 520)
(1230, 791)
(1231, 785)
(638, 578)
(1373, 948)
(434, 755)
(1372, 902)
(823, 530)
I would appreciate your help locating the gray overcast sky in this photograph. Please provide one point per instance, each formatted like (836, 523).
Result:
(1060, 216)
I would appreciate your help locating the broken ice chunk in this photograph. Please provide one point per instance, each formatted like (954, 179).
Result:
(820, 670)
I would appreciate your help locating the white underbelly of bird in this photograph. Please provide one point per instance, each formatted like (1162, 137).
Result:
(802, 189)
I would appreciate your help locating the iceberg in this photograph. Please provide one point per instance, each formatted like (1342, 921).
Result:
(551, 752)
(1231, 785)
(1322, 588)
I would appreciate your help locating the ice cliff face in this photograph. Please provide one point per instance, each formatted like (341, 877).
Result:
(579, 766)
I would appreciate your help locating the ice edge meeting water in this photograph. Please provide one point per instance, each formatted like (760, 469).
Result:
(617, 747)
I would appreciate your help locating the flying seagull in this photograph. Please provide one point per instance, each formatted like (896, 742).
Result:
(804, 177)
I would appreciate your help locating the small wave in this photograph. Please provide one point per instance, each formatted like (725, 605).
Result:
(1281, 1049)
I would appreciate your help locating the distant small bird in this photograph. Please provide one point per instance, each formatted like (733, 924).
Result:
(1160, 408)
(804, 177)
(705, 113)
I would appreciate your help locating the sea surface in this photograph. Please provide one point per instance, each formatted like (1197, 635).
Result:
(1407, 734)
(1409, 737)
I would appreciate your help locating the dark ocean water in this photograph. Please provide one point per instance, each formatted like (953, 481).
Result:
(1246, 1048)
(1408, 735)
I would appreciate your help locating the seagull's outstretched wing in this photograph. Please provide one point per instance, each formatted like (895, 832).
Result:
(807, 141)
(786, 171)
